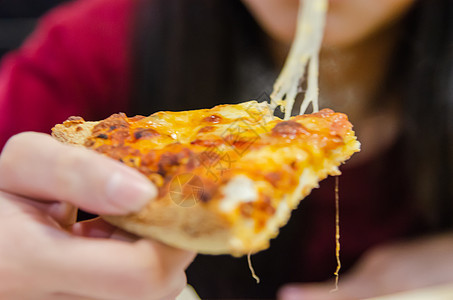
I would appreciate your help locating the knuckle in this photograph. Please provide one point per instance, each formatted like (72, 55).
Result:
(68, 169)
(143, 281)
(181, 282)
(155, 276)
(17, 139)
(12, 158)
(70, 158)
(155, 280)
(10, 152)
(65, 164)
(20, 141)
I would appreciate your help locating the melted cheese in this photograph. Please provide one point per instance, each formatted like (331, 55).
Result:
(240, 189)
(337, 234)
(252, 270)
(303, 60)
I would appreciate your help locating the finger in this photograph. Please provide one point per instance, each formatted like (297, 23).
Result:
(121, 235)
(95, 228)
(173, 256)
(64, 214)
(98, 228)
(108, 269)
(37, 166)
(178, 288)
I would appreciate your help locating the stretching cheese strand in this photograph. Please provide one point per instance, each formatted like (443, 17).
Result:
(303, 62)
(302, 59)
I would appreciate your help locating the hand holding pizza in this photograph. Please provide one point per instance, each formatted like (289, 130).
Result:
(386, 270)
(44, 255)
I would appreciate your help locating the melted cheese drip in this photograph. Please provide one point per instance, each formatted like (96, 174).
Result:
(337, 234)
(303, 63)
(303, 59)
(249, 261)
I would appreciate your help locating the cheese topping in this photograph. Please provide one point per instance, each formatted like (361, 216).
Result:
(249, 168)
(303, 59)
(239, 189)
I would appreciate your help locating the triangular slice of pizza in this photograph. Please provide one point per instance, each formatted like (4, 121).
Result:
(228, 177)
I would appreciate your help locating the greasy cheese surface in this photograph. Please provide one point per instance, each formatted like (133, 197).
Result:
(224, 142)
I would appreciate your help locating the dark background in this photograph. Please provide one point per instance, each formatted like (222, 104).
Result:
(18, 18)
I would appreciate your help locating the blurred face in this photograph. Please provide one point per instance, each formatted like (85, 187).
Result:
(348, 21)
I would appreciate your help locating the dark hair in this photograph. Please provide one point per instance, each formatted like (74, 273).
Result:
(187, 53)
(425, 59)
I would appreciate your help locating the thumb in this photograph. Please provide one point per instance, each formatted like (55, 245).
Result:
(37, 166)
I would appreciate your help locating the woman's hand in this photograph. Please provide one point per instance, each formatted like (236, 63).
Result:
(44, 255)
(387, 269)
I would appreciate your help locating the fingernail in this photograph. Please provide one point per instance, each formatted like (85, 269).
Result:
(129, 192)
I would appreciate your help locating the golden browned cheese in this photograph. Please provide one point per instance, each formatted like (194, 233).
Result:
(216, 147)
(244, 168)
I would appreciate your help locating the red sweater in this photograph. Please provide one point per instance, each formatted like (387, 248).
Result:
(78, 63)
(75, 63)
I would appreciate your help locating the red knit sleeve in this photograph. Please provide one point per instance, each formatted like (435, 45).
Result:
(75, 63)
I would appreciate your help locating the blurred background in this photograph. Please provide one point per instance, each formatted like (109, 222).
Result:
(18, 18)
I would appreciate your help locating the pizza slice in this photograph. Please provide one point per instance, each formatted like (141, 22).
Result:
(228, 177)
